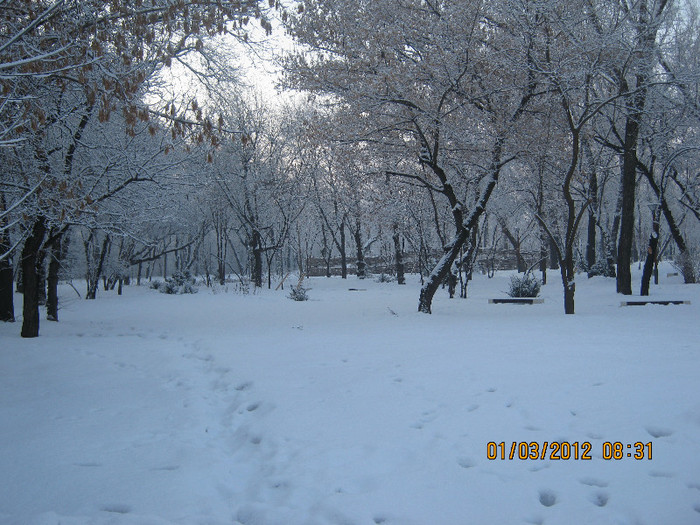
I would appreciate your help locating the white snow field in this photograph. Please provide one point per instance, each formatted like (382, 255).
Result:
(352, 408)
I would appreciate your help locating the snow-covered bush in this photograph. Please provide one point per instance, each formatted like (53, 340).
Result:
(524, 286)
(384, 278)
(178, 283)
(687, 265)
(299, 292)
(601, 268)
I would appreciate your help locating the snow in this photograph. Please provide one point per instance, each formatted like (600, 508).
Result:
(350, 408)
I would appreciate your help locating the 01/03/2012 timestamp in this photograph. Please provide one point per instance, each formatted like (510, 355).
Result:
(564, 450)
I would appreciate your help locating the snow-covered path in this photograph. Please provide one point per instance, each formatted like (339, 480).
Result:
(350, 408)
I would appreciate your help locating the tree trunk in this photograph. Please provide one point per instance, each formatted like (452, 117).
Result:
(464, 228)
(515, 242)
(635, 100)
(466, 265)
(569, 292)
(58, 254)
(591, 241)
(7, 304)
(30, 308)
(326, 250)
(626, 235)
(256, 248)
(592, 230)
(687, 269)
(398, 256)
(553, 260)
(543, 233)
(19, 279)
(343, 253)
(652, 252)
(41, 276)
(440, 272)
(94, 275)
(361, 264)
(543, 255)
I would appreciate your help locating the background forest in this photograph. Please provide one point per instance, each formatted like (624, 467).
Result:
(440, 138)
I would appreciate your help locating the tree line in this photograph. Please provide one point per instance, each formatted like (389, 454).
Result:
(439, 129)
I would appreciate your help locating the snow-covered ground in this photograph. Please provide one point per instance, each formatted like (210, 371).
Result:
(351, 408)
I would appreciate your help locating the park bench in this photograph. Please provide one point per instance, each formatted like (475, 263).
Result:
(517, 300)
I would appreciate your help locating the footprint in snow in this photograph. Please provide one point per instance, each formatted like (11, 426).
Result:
(428, 416)
(547, 497)
(600, 498)
(593, 482)
(696, 507)
(661, 474)
(466, 462)
(117, 509)
(658, 432)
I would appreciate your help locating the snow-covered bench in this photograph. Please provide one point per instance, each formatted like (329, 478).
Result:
(642, 302)
(517, 300)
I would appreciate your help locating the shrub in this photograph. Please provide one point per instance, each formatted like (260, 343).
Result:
(524, 286)
(178, 283)
(687, 265)
(601, 268)
(298, 292)
(384, 278)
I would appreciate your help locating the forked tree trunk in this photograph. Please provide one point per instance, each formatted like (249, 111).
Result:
(30, 308)
(687, 269)
(635, 99)
(464, 228)
(440, 271)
